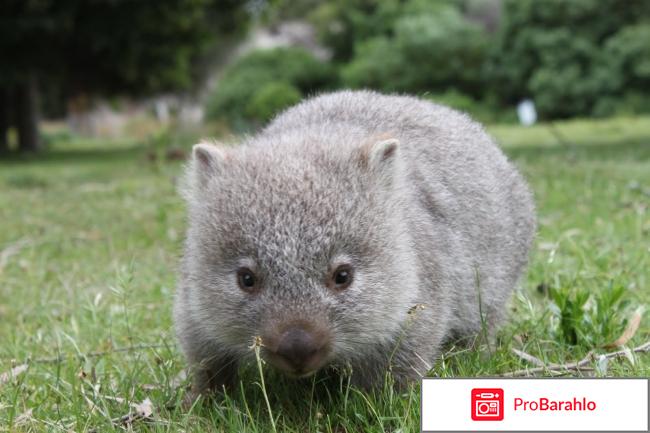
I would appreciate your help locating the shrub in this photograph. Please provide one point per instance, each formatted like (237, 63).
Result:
(627, 53)
(483, 111)
(574, 58)
(565, 83)
(587, 317)
(377, 66)
(428, 52)
(245, 78)
(271, 99)
(341, 24)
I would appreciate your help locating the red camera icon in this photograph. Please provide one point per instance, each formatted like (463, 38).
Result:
(487, 404)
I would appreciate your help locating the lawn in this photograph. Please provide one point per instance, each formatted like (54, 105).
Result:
(90, 235)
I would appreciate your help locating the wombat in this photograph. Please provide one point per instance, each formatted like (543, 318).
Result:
(357, 230)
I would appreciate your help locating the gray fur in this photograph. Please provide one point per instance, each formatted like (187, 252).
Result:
(427, 223)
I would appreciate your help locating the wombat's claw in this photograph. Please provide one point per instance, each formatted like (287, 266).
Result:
(189, 400)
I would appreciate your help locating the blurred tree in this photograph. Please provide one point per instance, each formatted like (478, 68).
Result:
(4, 119)
(572, 57)
(625, 64)
(272, 98)
(430, 49)
(340, 24)
(102, 47)
(244, 96)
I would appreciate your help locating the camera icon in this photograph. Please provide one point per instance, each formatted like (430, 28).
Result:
(487, 404)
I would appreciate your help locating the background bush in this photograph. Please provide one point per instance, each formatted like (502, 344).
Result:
(342, 24)
(271, 99)
(435, 51)
(245, 94)
(572, 58)
(485, 111)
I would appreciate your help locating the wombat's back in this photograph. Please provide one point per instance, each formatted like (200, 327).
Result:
(469, 205)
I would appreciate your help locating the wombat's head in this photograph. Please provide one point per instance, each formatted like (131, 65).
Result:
(308, 250)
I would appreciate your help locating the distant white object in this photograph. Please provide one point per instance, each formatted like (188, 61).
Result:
(190, 114)
(526, 112)
(161, 107)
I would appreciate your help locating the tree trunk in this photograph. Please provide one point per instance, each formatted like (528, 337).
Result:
(4, 119)
(27, 115)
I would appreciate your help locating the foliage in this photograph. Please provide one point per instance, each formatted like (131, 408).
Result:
(245, 79)
(434, 51)
(110, 47)
(575, 58)
(628, 52)
(341, 24)
(626, 58)
(75, 49)
(485, 111)
(413, 46)
(271, 99)
(591, 319)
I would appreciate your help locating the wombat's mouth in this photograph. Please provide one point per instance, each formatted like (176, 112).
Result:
(297, 370)
(299, 349)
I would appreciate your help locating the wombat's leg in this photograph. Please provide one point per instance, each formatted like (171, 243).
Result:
(375, 377)
(212, 378)
(405, 375)
(371, 373)
(367, 379)
(417, 350)
(476, 335)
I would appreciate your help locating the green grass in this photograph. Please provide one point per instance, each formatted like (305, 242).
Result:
(91, 234)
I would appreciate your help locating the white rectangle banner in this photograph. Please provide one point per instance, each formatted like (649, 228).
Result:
(534, 404)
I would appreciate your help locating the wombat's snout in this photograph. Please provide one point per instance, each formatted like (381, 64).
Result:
(301, 350)
(297, 346)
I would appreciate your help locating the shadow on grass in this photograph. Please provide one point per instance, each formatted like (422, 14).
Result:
(636, 150)
(79, 155)
(326, 402)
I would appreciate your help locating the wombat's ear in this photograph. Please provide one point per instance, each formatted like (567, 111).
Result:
(379, 155)
(207, 158)
(207, 161)
(382, 152)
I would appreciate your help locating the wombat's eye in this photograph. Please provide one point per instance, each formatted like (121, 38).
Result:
(246, 280)
(341, 278)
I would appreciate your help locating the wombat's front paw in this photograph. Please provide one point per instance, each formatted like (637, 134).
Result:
(190, 399)
(206, 392)
(211, 382)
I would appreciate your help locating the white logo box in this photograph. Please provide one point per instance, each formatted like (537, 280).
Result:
(593, 404)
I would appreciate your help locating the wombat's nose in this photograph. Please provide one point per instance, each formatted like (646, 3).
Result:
(298, 347)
